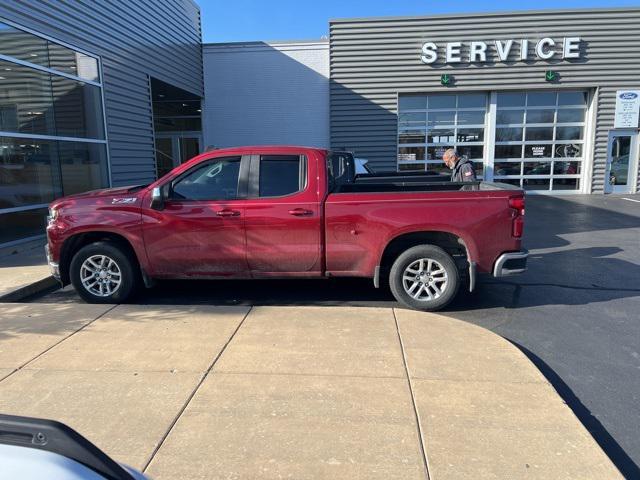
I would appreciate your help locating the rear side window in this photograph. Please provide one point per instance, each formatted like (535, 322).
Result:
(341, 168)
(282, 175)
(216, 180)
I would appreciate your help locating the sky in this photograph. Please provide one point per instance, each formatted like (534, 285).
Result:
(248, 20)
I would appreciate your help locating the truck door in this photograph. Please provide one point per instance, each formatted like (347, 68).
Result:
(200, 230)
(283, 216)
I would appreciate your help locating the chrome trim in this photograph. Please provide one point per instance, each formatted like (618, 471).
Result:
(53, 266)
(472, 276)
(376, 277)
(500, 271)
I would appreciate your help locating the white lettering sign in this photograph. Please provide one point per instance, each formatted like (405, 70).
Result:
(453, 52)
(476, 51)
(503, 49)
(627, 109)
(429, 52)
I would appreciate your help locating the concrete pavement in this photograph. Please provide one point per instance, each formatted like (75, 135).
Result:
(201, 392)
(24, 271)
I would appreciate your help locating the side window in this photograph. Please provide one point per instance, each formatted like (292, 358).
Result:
(282, 175)
(216, 180)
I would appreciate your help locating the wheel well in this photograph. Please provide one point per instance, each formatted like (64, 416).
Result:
(76, 242)
(450, 243)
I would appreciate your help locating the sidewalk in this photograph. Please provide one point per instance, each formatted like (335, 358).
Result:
(291, 392)
(24, 271)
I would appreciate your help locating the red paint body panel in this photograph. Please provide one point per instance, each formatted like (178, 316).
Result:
(284, 234)
(190, 240)
(360, 226)
(341, 234)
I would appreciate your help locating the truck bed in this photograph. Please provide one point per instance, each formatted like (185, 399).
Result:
(390, 184)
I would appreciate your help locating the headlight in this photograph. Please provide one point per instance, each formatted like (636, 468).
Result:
(53, 215)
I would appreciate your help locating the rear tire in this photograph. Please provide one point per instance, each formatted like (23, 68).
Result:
(102, 272)
(424, 278)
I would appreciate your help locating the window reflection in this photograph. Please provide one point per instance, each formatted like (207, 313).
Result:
(26, 173)
(31, 48)
(25, 100)
(78, 108)
(83, 166)
(23, 45)
(35, 103)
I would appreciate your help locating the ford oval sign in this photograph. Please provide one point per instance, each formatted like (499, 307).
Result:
(627, 109)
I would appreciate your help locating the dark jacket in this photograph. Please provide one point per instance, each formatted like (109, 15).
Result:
(463, 171)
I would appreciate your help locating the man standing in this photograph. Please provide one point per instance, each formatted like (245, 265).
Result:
(463, 170)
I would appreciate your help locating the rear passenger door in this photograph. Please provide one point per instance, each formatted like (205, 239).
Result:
(282, 219)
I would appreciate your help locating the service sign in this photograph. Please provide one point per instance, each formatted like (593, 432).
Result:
(627, 108)
(509, 50)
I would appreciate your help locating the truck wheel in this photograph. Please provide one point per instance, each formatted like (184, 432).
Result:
(424, 278)
(102, 273)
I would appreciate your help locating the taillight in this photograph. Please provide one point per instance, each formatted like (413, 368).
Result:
(517, 203)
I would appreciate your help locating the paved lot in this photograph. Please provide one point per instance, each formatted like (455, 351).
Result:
(199, 392)
(575, 311)
(23, 270)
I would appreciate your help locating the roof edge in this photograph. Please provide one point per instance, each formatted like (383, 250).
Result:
(497, 13)
(263, 43)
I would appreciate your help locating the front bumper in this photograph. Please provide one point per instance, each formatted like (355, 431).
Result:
(53, 266)
(510, 263)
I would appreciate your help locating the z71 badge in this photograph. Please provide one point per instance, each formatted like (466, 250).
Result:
(122, 201)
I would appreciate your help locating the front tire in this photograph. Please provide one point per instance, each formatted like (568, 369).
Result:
(424, 278)
(103, 273)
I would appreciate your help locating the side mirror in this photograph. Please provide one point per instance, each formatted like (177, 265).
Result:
(157, 199)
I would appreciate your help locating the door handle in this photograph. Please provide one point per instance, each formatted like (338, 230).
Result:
(227, 213)
(300, 212)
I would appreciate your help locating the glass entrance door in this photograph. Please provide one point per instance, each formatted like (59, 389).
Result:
(621, 161)
(173, 149)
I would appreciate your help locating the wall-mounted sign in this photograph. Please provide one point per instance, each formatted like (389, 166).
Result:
(446, 79)
(627, 108)
(505, 50)
(551, 76)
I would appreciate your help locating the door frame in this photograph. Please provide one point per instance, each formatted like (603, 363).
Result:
(632, 174)
(175, 143)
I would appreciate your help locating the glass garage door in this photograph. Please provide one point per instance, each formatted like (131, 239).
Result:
(539, 142)
(429, 124)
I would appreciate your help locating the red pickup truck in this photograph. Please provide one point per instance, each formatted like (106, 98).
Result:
(284, 211)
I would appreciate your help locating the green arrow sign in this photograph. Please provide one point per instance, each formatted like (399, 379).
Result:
(445, 79)
(550, 76)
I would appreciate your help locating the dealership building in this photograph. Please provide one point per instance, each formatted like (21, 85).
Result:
(120, 93)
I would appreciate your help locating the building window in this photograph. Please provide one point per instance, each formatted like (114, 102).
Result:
(539, 142)
(52, 133)
(430, 124)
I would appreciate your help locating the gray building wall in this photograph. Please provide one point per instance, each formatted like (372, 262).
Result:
(134, 38)
(372, 60)
(266, 93)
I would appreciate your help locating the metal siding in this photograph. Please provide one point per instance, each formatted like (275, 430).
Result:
(259, 93)
(372, 60)
(134, 39)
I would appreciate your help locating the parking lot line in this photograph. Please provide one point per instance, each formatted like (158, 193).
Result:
(631, 199)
